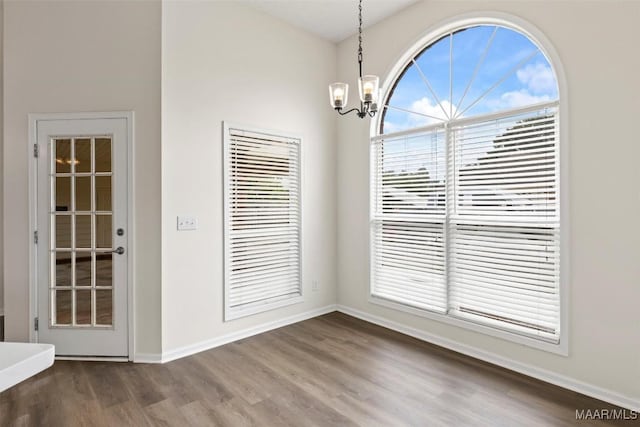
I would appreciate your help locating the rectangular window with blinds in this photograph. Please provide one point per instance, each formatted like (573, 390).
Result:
(262, 221)
(465, 221)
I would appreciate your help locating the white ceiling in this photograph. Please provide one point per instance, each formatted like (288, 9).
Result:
(333, 20)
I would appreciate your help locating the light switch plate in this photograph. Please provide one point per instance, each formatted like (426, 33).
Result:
(187, 223)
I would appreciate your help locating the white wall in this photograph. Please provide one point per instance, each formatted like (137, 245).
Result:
(1, 151)
(83, 56)
(223, 61)
(597, 43)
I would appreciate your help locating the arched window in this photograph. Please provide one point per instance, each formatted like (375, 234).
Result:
(465, 217)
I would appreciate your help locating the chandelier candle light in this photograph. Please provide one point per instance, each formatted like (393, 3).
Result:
(367, 85)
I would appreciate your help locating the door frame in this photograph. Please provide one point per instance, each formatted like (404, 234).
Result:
(33, 120)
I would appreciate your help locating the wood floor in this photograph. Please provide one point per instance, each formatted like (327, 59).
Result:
(331, 370)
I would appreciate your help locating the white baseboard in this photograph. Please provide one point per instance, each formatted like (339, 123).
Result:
(93, 359)
(188, 350)
(531, 371)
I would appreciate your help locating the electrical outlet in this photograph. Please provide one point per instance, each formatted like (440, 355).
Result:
(187, 223)
(315, 285)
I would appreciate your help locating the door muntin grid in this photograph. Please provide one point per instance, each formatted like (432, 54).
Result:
(81, 290)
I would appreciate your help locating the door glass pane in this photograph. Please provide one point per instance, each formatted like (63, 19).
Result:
(103, 231)
(81, 253)
(104, 306)
(83, 155)
(63, 231)
(63, 194)
(83, 231)
(104, 269)
(83, 307)
(83, 269)
(63, 269)
(103, 154)
(62, 155)
(103, 193)
(83, 193)
(63, 307)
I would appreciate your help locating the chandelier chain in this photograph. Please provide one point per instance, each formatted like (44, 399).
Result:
(360, 33)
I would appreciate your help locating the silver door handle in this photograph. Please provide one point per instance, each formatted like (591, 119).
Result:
(119, 250)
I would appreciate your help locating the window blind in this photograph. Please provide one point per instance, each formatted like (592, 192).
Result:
(465, 220)
(408, 190)
(262, 221)
(504, 236)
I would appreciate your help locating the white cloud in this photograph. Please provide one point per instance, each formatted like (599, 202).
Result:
(427, 112)
(538, 78)
(391, 127)
(433, 110)
(515, 99)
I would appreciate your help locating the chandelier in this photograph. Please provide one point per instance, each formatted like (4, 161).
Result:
(367, 86)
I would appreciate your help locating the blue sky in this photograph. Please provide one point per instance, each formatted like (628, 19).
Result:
(529, 78)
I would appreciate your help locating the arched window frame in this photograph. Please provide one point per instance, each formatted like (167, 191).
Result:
(515, 23)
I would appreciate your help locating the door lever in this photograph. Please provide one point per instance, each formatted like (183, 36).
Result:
(119, 250)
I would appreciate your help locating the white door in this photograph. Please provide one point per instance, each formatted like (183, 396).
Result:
(82, 252)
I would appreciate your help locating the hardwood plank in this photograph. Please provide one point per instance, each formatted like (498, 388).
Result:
(165, 413)
(126, 414)
(137, 381)
(198, 382)
(167, 380)
(241, 376)
(109, 388)
(228, 413)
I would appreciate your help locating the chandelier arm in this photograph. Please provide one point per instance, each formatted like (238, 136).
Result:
(343, 113)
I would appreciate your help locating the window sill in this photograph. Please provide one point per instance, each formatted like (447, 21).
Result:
(560, 349)
(233, 314)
